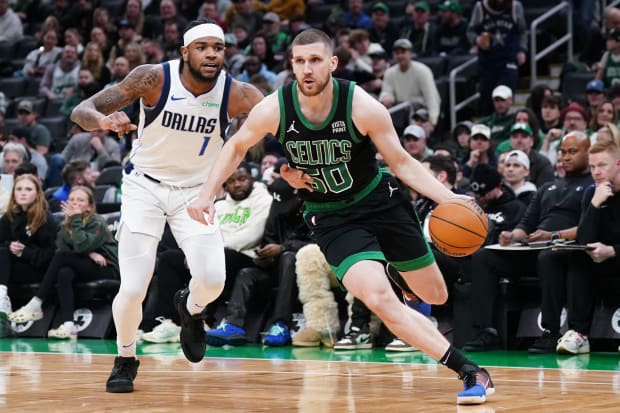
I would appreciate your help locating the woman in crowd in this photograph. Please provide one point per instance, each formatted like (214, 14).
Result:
(27, 234)
(86, 251)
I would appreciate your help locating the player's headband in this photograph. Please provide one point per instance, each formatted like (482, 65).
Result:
(203, 30)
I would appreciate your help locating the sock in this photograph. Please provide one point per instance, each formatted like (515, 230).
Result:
(192, 307)
(34, 304)
(455, 360)
(128, 350)
(69, 324)
(3, 290)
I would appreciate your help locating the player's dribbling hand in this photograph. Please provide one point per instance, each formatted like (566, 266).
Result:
(202, 211)
(117, 122)
(296, 178)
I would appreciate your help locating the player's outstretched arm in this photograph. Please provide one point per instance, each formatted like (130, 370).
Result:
(263, 119)
(100, 111)
(373, 119)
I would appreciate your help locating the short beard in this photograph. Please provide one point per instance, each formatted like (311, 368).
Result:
(196, 73)
(321, 87)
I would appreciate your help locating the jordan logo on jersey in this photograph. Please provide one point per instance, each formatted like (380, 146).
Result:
(292, 128)
(392, 189)
(339, 126)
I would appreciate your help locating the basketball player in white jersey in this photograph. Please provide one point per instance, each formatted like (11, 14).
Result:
(185, 108)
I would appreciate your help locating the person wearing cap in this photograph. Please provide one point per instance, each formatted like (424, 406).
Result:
(193, 98)
(452, 31)
(419, 28)
(502, 118)
(379, 63)
(595, 94)
(481, 149)
(498, 32)
(552, 214)
(276, 38)
(516, 168)
(330, 147)
(414, 142)
(540, 168)
(574, 118)
(609, 68)
(383, 30)
(40, 134)
(410, 81)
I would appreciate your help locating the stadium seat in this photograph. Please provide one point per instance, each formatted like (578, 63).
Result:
(437, 64)
(12, 87)
(25, 46)
(110, 175)
(57, 125)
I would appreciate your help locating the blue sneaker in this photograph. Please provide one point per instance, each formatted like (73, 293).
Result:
(478, 385)
(226, 333)
(418, 305)
(278, 335)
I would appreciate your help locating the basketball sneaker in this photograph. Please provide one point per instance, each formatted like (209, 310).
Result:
(123, 374)
(546, 343)
(192, 329)
(226, 334)
(477, 385)
(355, 339)
(399, 345)
(165, 332)
(277, 335)
(573, 342)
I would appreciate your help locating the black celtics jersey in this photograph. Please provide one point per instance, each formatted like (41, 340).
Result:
(335, 154)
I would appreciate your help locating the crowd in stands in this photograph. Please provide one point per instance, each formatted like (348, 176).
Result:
(540, 171)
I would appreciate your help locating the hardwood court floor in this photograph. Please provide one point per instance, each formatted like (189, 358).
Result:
(46, 376)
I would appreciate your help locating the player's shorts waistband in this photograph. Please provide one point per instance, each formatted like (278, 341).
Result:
(130, 168)
(332, 205)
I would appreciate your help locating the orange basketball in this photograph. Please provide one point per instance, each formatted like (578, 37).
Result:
(458, 227)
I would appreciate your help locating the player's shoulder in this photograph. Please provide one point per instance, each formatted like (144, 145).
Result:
(243, 97)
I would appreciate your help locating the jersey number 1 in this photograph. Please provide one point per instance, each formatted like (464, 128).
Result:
(203, 148)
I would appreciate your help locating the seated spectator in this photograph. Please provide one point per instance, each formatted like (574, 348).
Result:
(481, 149)
(13, 154)
(527, 116)
(379, 63)
(171, 40)
(419, 28)
(604, 113)
(550, 113)
(86, 87)
(414, 142)
(607, 67)
(38, 59)
(452, 31)
(11, 29)
(40, 134)
(608, 134)
(96, 147)
(383, 31)
(274, 266)
(552, 214)
(595, 95)
(74, 173)
(574, 117)
(515, 172)
(410, 81)
(502, 118)
(27, 235)
(232, 56)
(599, 229)
(61, 78)
(22, 136)
(94, 62)
(252, 66)
(522, 138)
(86, 251)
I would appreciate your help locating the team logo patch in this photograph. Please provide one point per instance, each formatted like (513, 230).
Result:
(82, 317)
(615, 321)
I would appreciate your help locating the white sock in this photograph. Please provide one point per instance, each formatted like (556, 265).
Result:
(3, 290)
(127, 350)
(69, 324)
(34, 304)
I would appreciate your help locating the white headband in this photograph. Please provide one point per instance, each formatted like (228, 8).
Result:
(203, 30)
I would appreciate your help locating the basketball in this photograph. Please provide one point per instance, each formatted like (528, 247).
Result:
(458, 227)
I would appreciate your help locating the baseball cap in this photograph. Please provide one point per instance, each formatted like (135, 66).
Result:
(484, 178)
(480, 129)
(271, 17)
(25, 106)
(125, 23)
(415, 131)
(420, 114)
(521, 126)
(451, 5)
(422, 5)
(380, 6)
(230, 39)
(520, 157)
(595, 85)
(402, 44)
(375, 49)
(502, 92)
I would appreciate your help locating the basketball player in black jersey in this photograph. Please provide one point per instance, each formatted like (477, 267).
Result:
(329, 129)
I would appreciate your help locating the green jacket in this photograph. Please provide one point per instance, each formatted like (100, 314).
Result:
(500, 127)
(92, 236)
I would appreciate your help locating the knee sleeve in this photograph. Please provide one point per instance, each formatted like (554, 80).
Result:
(136, 256)
(207, 265)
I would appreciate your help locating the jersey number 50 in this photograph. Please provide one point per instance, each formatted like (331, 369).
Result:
(333, 178)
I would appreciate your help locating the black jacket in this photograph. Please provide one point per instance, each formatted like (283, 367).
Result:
(39, 247)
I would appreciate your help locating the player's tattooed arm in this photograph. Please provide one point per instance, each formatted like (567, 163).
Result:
(244, 97)
(142, 82)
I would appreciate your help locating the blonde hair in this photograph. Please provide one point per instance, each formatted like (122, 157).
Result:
(86, 216)
(36, 212)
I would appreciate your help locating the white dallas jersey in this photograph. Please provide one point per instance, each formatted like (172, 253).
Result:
(181, 136)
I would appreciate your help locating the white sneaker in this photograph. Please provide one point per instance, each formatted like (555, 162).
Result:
(5, 305)
(64, 331)
(399, 345)
(573, 342)
(166, 332)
